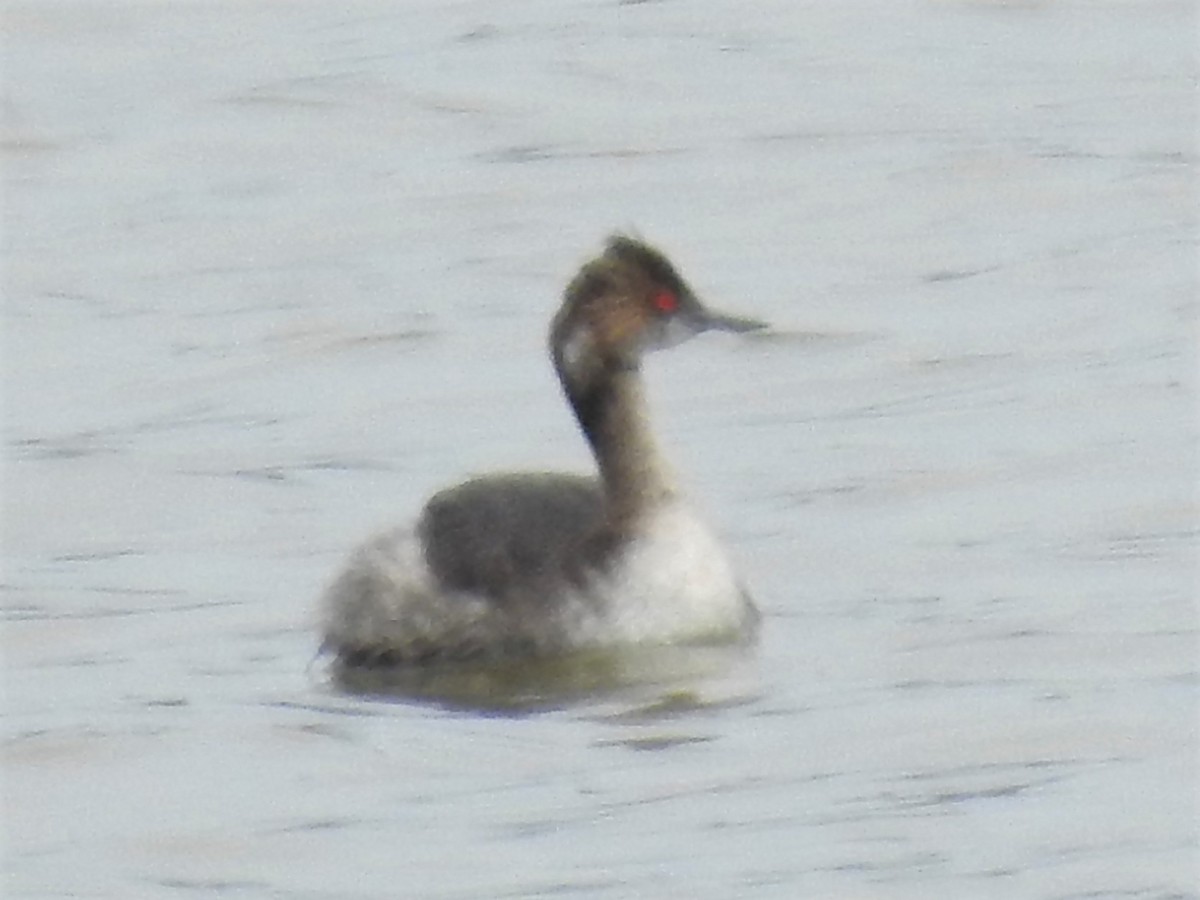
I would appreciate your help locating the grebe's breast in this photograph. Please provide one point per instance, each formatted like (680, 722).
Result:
(670, 581)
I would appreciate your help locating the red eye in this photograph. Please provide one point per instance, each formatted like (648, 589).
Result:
(665, 301)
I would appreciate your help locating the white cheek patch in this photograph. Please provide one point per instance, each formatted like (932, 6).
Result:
(576, 349)
(677, 330)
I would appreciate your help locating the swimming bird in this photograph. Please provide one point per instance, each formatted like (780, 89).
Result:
(540, 564)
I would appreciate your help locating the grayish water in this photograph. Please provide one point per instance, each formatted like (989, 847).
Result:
(274, 272)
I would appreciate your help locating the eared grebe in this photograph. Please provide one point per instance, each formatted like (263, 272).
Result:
(539, 564)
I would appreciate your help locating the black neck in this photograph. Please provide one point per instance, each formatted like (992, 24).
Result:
(612, 412)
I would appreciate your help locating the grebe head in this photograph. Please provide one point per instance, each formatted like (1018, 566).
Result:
(628, 301)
